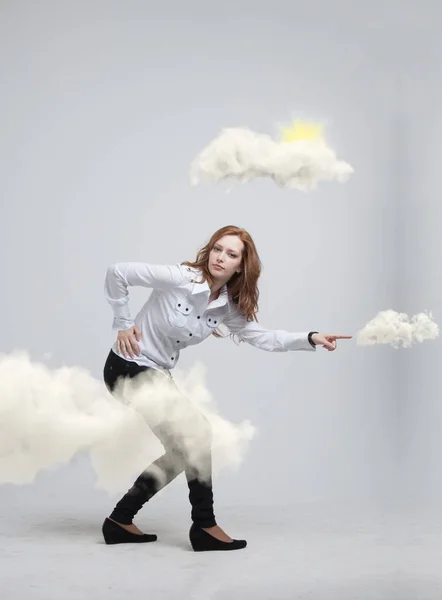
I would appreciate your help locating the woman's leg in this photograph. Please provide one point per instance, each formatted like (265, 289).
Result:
(176, 458)
(166, 468)
(180, 440)
(161, 472)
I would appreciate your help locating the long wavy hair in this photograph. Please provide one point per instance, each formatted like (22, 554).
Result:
(242, 287)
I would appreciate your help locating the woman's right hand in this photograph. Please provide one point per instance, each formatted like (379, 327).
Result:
(127, 342)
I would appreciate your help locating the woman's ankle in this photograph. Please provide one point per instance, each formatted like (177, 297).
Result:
(118, 522)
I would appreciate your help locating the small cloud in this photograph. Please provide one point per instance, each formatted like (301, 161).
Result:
(397, 329)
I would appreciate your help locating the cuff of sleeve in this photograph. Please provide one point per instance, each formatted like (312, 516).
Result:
(122, 324)
(300, 341)
(310, 338)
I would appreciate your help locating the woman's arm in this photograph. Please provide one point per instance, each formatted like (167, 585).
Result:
(271, 340)
(122, 275)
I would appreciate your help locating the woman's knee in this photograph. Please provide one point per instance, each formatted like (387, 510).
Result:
(204, 429)
(196, 431)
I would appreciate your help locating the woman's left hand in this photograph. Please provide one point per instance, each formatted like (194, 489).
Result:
(328, 341)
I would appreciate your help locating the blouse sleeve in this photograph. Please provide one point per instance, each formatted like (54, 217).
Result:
(122, 275)
(271, 340)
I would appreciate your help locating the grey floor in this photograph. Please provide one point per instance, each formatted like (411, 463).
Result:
(293, 552)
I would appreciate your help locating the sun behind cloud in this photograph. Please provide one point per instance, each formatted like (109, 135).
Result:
(300, 130)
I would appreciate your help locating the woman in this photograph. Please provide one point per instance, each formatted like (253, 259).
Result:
(188, 303)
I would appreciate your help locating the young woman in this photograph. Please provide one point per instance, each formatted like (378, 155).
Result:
(188, 303)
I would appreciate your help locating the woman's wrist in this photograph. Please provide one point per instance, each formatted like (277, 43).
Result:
(310, 336)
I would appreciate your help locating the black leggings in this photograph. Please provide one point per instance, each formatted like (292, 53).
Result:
(171, 463)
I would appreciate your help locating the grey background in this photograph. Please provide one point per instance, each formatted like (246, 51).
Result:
(106, 105)
(419, 222)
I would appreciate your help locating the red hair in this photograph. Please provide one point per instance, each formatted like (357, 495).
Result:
(242, 287)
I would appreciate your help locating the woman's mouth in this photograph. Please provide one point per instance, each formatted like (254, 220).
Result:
(218, 267)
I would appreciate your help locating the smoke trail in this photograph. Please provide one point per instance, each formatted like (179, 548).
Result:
(48, 415)
(397, 329)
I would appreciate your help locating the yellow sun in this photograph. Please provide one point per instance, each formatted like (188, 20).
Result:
(301, 131)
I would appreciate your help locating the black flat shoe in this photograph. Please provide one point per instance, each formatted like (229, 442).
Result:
(114, 534)
(202, 541)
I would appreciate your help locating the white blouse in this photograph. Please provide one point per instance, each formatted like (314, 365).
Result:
(177, 314)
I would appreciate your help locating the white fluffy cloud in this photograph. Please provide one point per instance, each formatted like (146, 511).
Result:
(48, 415)
(241, 155)
(398, 329)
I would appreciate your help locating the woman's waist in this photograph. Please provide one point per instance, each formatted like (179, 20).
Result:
(146, 358)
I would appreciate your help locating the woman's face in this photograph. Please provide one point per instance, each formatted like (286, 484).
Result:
(225, 258)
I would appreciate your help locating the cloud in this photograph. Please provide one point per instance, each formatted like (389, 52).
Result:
(48, 415)
(397, 329)
(241, 155)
